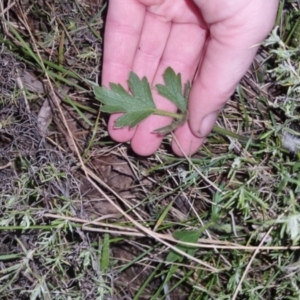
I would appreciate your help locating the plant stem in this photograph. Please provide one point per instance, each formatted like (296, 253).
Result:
(164, 113)
(215, 129)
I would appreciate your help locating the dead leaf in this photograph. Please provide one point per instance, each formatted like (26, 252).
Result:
(44, 117)
(114, 171)
(31, 83)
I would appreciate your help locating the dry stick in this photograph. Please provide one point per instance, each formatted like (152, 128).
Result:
(4, 10)
(6, 166)
(95, 222)
(202, 243)
(135, 174)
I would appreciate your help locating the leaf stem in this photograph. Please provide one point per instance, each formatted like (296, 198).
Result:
(215, 129)
(165, 113)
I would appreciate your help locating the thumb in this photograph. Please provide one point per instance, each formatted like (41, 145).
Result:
(230, 49)
(220, 72)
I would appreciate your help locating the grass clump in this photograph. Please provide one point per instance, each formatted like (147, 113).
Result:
(83, 218)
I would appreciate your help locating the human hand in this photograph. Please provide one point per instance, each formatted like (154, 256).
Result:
(147, 36)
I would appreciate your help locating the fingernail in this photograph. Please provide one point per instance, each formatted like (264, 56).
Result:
(207, 124)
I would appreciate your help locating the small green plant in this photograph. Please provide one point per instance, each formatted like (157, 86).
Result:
(138, 104)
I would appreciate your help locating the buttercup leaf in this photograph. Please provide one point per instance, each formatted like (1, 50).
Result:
(172, 89)
(139, 105)
(184, 236)
(141, 89)
(132, 118)
(136, 107)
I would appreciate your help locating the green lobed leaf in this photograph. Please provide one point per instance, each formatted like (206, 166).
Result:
(136, 107)
(184, 236)
(172, 89)
(140, 88)
(131, 119)
(140, 105)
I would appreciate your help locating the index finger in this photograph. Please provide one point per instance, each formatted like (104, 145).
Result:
(123, 29)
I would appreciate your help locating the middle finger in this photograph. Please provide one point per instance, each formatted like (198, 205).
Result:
(182, 52)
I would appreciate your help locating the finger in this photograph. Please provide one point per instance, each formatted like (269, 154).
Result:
(182, 53)
(229, 53)
(121, 40)
(151, 46)
(220, 72)
(188, 142)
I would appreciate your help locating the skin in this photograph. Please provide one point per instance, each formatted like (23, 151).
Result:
(147, 36)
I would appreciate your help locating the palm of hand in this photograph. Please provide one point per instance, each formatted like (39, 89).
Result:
(180, 12)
